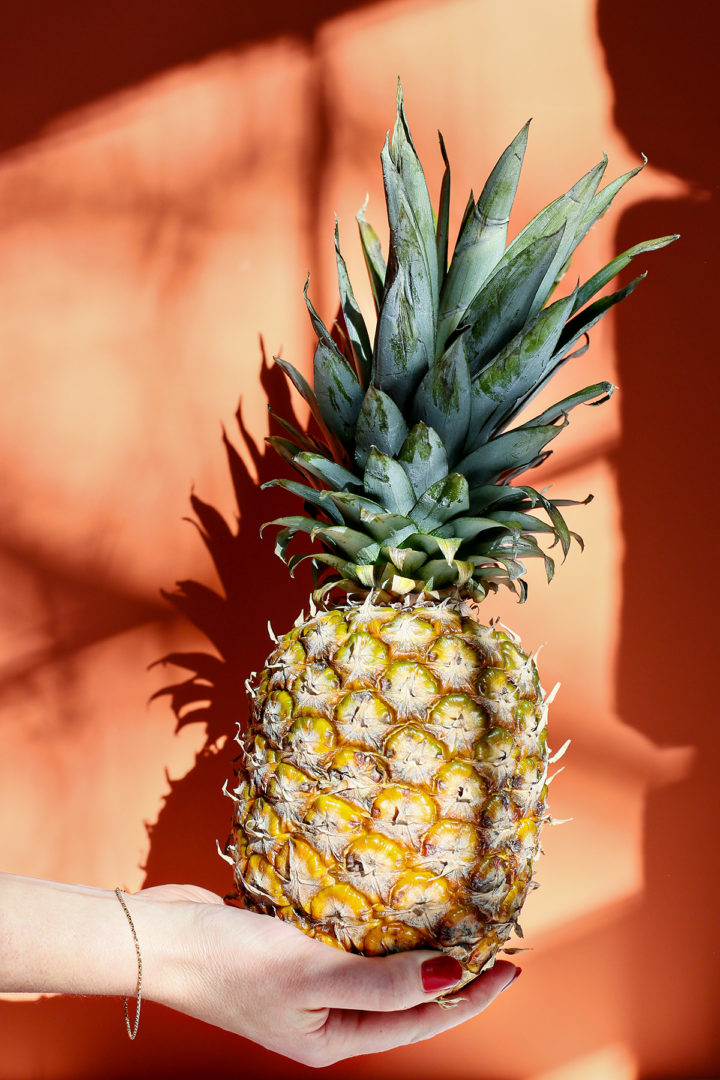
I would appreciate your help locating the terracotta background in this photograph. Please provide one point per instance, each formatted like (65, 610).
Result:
(168, 173)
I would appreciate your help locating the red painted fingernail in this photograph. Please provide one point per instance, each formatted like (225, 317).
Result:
(440, 973)
(516, 975)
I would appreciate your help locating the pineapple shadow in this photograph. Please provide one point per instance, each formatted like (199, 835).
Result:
(253, 587)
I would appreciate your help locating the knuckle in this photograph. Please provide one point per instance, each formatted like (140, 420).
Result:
(316, 1055)
(395, 990)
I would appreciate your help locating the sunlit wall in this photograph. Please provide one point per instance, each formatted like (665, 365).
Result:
(166, 182)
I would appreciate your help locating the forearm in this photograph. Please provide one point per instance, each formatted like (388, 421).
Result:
(57, 938)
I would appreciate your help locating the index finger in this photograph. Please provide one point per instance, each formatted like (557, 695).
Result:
(347, 1033)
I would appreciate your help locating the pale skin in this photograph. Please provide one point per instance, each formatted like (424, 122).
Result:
(250, 974)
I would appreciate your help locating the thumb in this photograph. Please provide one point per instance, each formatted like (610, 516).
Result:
(395, 982)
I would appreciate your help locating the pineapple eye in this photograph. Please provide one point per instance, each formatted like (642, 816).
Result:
(409, 687)
(422, 890)
(414, 754)
(492, 682)
(497, 745)
(455, 662)
(403, 806)
(407, 634)
(323, 634)
(339, 902)
(361, 658)
(390, 936)
(363, 718)
(526, 716)
(312, 735)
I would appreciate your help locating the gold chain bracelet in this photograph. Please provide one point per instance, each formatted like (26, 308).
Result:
(132, 1031)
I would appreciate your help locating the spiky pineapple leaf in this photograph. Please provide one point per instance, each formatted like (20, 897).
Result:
(404, 559)
(520, 546)
(466, 528)
(615, 266)
(442, 401)
(374, 259)
(443, 219)
(566, 213)
(482, 237)
(444, 499)
(323, 334)
(321, 499)
(423, 457)
(287, 450)
(354, 321)
(409, 251)
(601, 200)
(403, 349)
(507, 454)
(502, 306)
(586, 319)
(335, 476)
(520, 522)
(339, 394)
(380, 424)
(438, 573)
(302, 439)
(488, 496)
(516, 370)
(352, 543)
(308, 394)
(385, 478)
(412, 179)
(590, 395)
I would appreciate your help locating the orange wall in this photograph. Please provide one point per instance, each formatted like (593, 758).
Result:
(168, 173)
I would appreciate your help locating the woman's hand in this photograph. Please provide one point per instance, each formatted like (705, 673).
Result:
(264, 979)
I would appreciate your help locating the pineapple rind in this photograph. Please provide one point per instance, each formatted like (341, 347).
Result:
(396, 802)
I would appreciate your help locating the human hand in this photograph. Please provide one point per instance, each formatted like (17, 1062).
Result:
(264, 979)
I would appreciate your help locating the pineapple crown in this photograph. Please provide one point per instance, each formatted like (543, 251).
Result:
(409, 485)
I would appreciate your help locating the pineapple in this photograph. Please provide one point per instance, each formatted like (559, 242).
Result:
(392, 782)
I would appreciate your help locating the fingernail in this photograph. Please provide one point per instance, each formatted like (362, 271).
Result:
(440, 973)
(515, 975)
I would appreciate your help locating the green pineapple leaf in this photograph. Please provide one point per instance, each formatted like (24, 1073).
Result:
(444, 499)
(339, 394)
(443, 218)
(335, 476)
(586, 319)
(482, 237)
(510, 453)
(321, 499)
(466, 529)
(608, 272)
(404, 157)
(380, 424)
(423, 457)
(402, 349)
(590, 395)
(601, 200)
(502, 306)
(385, 478)
(355, 323)
(442, 401)
(374, 259)
(566, 213)
(514, 373)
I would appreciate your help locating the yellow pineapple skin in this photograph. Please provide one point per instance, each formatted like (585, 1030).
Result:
(391, 786)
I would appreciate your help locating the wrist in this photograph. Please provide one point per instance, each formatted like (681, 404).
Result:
(163, 929)
(58, 938)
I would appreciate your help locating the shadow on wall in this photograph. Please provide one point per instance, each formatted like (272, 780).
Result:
(194, 814)
(59, 57)
(663, 70)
